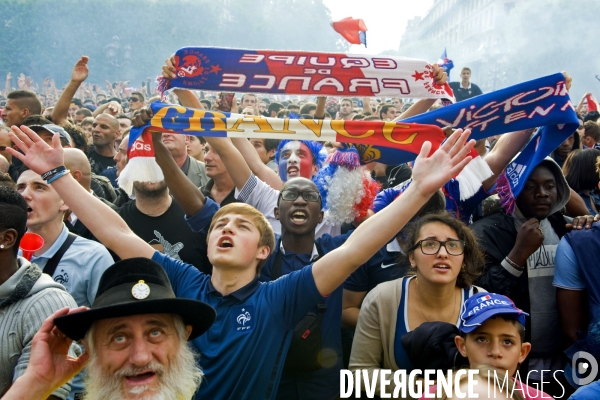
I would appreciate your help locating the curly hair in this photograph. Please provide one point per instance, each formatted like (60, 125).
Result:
(473, 256)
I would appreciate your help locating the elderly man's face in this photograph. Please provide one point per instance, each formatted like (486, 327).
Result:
(140, 356)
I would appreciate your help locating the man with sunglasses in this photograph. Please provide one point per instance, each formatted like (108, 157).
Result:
(136, 102)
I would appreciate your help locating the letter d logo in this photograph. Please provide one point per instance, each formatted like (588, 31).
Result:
(584, 363)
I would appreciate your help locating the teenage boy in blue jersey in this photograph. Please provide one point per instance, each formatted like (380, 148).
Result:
(242, 353)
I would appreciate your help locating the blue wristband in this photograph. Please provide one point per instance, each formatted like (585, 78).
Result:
(55, 177)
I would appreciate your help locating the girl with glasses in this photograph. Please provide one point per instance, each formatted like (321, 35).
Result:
(445, 259)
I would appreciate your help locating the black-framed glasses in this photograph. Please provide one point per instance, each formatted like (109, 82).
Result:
(133, 99)
(2, 148)
(308, 195)
(431, 247)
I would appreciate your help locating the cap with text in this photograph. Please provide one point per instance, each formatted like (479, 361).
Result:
(483, 306)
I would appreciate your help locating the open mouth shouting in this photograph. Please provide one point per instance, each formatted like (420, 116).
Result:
(225, 242)
(293, 172)
(299, 217)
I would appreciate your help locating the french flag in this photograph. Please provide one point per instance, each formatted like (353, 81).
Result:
(446, 63)
(484, 298)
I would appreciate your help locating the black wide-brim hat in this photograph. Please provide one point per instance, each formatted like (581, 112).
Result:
(132, 287)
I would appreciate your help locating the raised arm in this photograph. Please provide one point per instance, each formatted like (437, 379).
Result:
(186, 194)
(105, 224)
(507, 147)
(421, 106)
(320, 111)
(429, 175)
(233, 160)
(253, 161)
(79, 74)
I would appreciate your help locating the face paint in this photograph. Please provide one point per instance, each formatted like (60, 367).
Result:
(295, 160)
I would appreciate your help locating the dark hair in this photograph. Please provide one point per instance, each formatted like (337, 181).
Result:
(271, 144)
(592, 130)
(506, 317)
(26, 99)
(579, 169)
(473, 256)
(6, 180)
(294, 106)
(465, 69)
(84, 111)
(274, 106)
(140, 94)
(384, 109)
(36, 120)
(307, 108)
(78, 136)
(13, 213)
(591, 116)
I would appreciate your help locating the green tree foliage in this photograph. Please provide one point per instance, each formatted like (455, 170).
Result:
(130, 39)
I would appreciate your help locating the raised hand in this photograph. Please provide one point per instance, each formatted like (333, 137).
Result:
(168, 70)
(80, 70)
(8, 76)
(37, 154)
(114, 108)
(431, 173)
(50, 365)
(141, 117)
(439, 75)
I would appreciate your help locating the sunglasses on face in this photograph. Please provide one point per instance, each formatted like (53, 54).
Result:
(2, 148)
(134, 99)
(308, 195)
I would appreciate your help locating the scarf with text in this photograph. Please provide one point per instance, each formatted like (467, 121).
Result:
(303, 73)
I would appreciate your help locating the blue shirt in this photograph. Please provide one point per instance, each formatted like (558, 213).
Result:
(588, 392)
(384, 266)
(80, 268)
(242, 353)
(324, 381)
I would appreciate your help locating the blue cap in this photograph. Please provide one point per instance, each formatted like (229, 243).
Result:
(482, 306)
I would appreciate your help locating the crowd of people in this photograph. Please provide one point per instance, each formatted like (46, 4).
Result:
(225, 281)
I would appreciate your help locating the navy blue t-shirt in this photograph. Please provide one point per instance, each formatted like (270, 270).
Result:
(242, 352)
(384, 266)
(324, 382)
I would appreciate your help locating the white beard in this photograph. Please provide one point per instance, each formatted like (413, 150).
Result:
(180, 381)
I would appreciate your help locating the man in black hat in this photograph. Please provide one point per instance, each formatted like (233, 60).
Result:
(136, 334)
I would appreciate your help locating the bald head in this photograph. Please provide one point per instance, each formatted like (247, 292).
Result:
(4, 164)
(79, 165)
(110, 120)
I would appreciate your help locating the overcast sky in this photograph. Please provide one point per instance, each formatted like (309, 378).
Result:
(385, 19)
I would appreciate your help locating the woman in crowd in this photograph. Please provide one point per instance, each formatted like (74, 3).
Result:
(580, 172)
(445, 259)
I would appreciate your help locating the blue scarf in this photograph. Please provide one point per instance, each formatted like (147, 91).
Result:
(542, 102)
